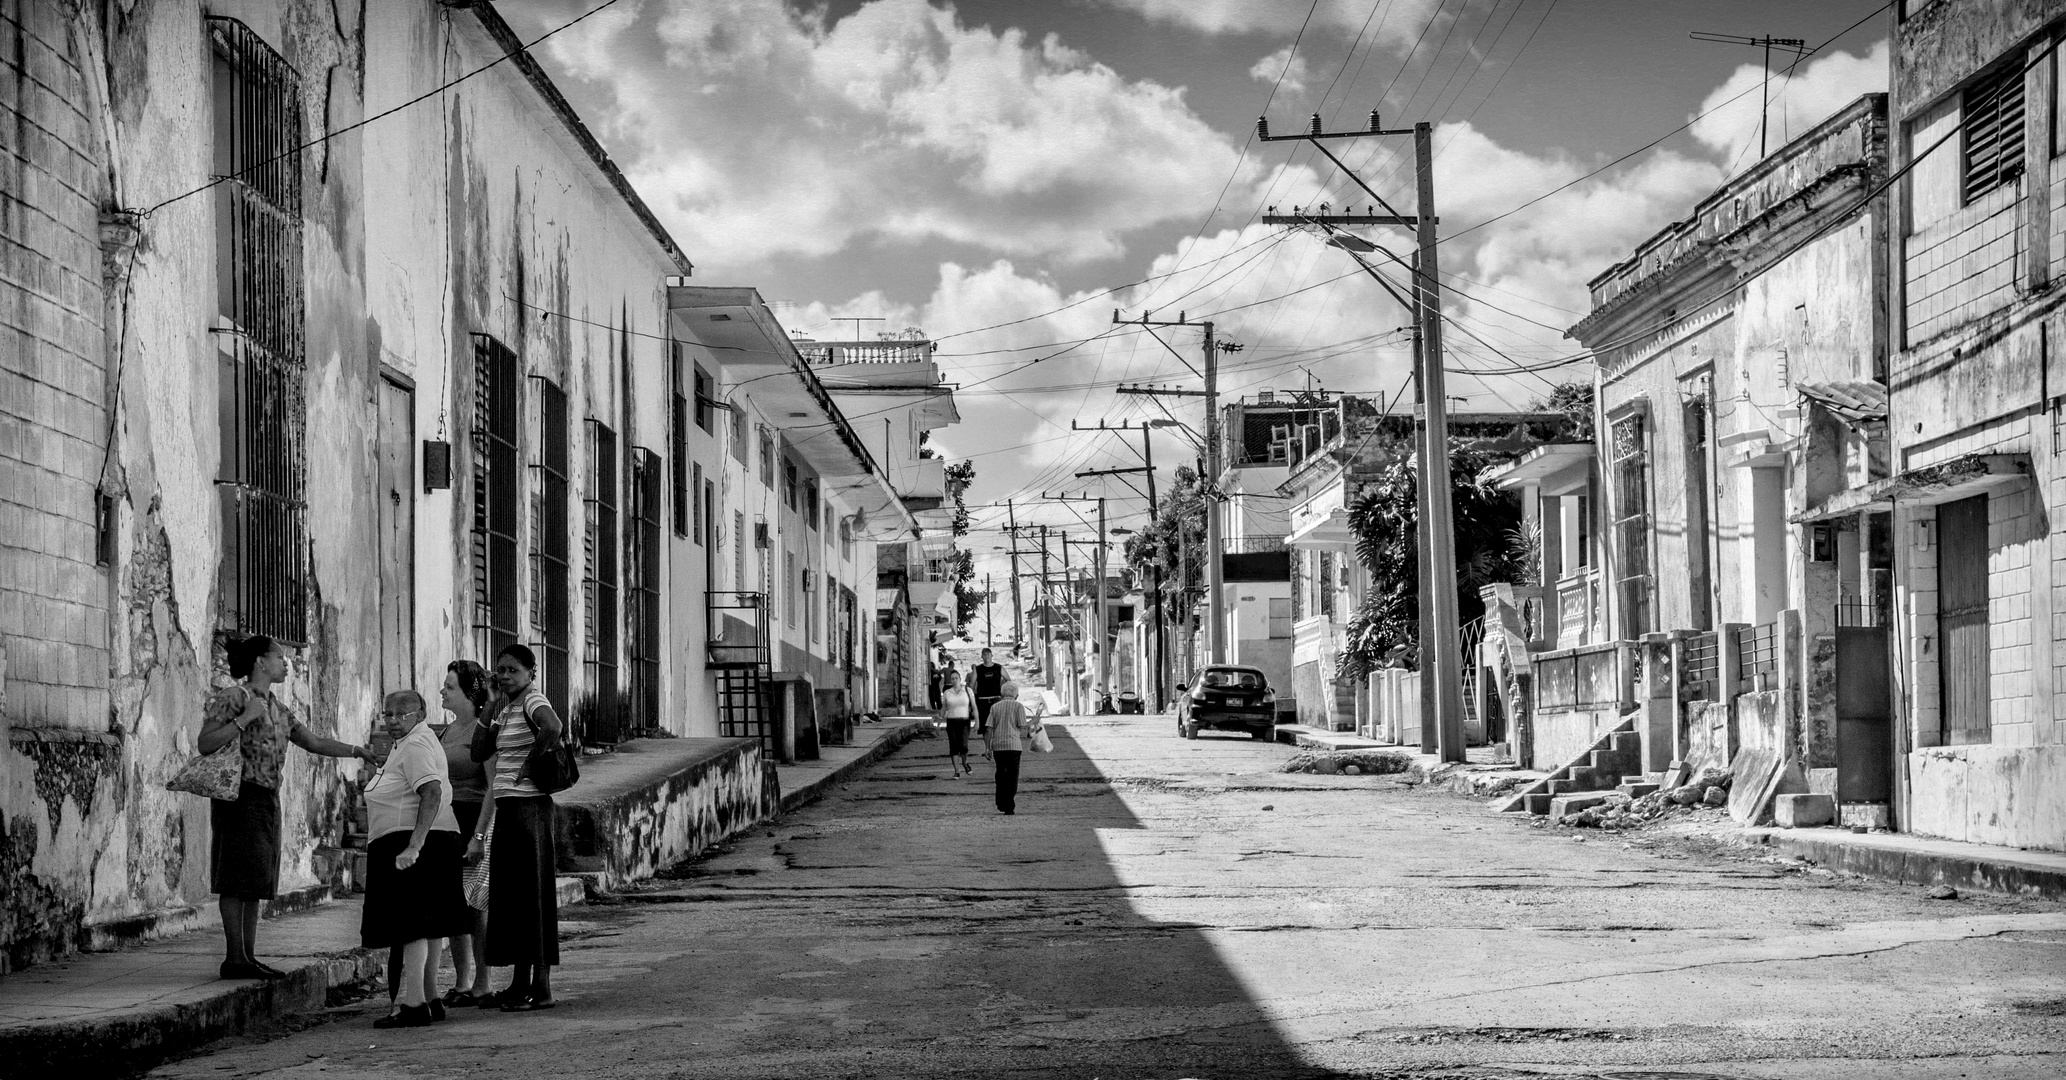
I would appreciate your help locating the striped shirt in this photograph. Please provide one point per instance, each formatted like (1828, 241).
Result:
(513, 740)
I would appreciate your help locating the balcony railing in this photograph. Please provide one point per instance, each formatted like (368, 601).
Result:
(1255, 545)
(1759, 648)
(824, 353)
(1702, 671)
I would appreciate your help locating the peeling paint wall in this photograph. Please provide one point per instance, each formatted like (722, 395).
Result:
(629, 833)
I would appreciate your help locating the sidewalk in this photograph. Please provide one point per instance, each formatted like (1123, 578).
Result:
(1922, 860)
(805, 782)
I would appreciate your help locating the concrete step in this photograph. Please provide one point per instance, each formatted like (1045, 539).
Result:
(1608, 763)
(1586, 778)
(1564, 806)
(1566, 787)
(1535, 804)
(1629, 745)
(1636, 789)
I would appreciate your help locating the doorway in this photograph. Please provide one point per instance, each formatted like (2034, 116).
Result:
(1962, 621)
(395, 479)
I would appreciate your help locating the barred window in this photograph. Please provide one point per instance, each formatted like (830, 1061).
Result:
(767, 459)
(696, 503)
(738, 433)
(549, 540)
(1991, 131)
(1326, 584)
(262, 475)
(789, 587)
(599, 577)
(642, 589)
(703, 410)
(497, 497)
(810, 502)
(678, 440)
(789, 484)
(1629, 472)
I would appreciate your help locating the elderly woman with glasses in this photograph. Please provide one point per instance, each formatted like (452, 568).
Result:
(413, 894)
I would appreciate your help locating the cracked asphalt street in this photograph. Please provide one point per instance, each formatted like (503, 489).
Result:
(1166, 908)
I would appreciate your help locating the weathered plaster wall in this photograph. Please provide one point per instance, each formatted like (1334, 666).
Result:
(632, 817)
(2007, 795)
(1562, 735)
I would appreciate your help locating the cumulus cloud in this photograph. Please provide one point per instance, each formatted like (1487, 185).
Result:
(1816, 89)
(1400, 22)
(759, 131)
(1283, 63)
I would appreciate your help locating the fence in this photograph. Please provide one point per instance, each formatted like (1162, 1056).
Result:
(1759, 648)
(1588, 677)
(1701, 675)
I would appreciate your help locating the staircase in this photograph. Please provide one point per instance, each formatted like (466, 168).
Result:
(741, 657)
(1613, 765)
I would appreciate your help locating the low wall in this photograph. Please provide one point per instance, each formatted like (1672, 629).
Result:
(1562, 735)
(2003, 795)
(655, 802)
(1710, 735)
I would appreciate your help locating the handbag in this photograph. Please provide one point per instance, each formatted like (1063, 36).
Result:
(551, 767)
(219, 775)
(474, 879)
(216, 775)
(1039, 743)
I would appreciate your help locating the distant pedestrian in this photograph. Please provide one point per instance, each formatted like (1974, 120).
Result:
(957, 709)
(1010, 728)
(244, 865)
(523, 888)
(413, 894)
(467, 695)
(987, 680)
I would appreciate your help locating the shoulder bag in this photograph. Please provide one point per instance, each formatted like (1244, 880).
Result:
(1038, 742)
(217, 775)
(552, 766)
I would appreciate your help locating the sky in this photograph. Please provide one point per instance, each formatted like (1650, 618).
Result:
(1005, 176)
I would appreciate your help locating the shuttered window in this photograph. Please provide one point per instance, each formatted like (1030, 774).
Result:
(497, 494)
(1630, 473)
(599, 581)
(1992, 132)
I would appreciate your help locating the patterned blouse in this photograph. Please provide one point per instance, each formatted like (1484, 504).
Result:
(513, 739)
(264, 743)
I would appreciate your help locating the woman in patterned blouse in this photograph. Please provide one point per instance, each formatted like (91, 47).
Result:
(245, 865)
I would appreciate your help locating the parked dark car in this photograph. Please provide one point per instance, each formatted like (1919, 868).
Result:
(1227, 697)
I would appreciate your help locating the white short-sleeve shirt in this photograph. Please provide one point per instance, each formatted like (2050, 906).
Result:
(392, 797)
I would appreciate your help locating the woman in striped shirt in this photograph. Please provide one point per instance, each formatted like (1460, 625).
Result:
(523, 905)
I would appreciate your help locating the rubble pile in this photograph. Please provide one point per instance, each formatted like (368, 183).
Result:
(1710, 790)
(1347, 762)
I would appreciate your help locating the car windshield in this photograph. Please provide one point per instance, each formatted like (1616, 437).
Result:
(1233, 680)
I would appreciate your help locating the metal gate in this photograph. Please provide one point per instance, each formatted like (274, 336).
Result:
(1864, 710)
(1962, 620)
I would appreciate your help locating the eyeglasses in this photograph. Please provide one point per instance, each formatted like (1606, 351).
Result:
(399, 715)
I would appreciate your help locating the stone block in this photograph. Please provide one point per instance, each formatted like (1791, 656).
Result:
(1802, 811)
(1564, 806)
(1862, 815)
(1636, 789)
(1822, 782)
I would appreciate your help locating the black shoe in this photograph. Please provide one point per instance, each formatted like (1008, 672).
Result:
(267, 971)
(409, 1016)
(437, 1009)
(503, 998)
(239, 969)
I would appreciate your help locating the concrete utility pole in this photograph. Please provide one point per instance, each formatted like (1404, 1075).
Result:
(1154, 521)
(1043, 597)
(1018, 616)
(989, 626)
(1215, 598)
(1440, 648)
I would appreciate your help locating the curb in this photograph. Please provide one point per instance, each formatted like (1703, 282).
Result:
(838, 774)
(1907, 867)
(144, 1038)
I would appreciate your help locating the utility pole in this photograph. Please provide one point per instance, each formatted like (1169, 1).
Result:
(1215, 598)
(1098, 631)
(1795, 46)
(989, 626)
(1018, 616)
(1047, 611)
(1440, 649)
(1154, 522)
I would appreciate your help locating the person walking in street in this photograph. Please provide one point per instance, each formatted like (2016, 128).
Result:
(1006, 738)
(957, 709)
(988, 683)
(413, 895)
(244, 866)
(523, 900)
(467, 695)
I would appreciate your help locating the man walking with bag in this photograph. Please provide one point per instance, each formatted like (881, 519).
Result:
(1011, 733)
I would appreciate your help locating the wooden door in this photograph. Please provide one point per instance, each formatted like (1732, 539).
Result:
(1864, 715)
(1962, 620)
(395, 487)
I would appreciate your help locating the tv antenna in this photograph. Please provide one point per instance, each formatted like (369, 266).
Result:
(1796, 46)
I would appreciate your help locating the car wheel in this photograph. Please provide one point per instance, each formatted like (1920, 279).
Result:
(1266, 734)
(1191, 730)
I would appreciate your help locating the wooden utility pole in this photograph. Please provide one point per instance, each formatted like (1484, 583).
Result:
(989, 625)
(1215, 594)
(1440, 650)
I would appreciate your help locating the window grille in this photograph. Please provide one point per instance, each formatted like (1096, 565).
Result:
(767, 459)
(738, 433)
(1326, 584)
(710, 530)
(789, 484)
(262, 478)
(599, 582)
(1991, 131)
(549, 599)
(739, 553)
(703, 410)
(496, 494)
(810, 502)
(678, 441)
(642, 589)
(789, 587)
(1630, 470)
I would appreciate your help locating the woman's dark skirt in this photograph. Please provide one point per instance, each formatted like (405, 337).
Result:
(957, 736)
(469, 815)
(523, 890)
(245, 862)
(424, 901)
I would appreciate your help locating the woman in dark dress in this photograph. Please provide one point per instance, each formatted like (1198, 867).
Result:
(244, 868)
(466, 696)
(523, 900)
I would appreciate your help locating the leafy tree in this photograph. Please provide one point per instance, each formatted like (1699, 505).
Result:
(967, 598)
(1575, 401)
(1490, 548)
